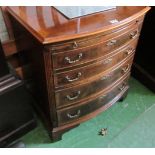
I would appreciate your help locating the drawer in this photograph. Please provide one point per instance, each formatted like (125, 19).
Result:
(108, 45)
(76, 76)
(82, 92)
(92, 40)
(73, 113)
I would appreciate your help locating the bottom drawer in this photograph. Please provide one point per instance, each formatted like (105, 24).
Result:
(68, 115)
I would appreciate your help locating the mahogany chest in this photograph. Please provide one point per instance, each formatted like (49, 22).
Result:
(81, 66)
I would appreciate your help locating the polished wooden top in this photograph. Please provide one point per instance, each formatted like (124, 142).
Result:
(48, 25)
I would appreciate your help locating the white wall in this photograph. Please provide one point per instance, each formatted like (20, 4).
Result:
(3, 32)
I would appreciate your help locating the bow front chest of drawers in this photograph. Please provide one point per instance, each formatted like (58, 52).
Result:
(81, 66)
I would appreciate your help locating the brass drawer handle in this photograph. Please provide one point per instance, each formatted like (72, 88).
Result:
(106, 77)
(74, 61)
(75, 115)
(129, 51)
(75, 45)
(122, 86)
(75, 79)
(134, 34)
(73, 98)
(112, 42)
(125, 69)
(107, 61)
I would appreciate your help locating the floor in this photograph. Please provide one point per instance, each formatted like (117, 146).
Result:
(129, 123)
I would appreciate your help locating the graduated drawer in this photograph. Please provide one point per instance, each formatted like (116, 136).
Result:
(93, 39)
(75, 76)
(69, 114)
(85, 55)
(78, 93)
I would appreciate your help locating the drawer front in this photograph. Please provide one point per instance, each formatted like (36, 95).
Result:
(68, 115)
(77, 75)
(82, 92)
(92, 40)
(85, 55)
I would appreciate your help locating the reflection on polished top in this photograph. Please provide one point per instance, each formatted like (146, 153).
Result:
(78, 11)
(48, 25)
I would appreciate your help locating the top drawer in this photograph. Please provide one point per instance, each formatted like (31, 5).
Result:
(84, 55)
(92, 40)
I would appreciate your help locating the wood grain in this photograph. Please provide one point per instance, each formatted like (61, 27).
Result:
(46, 31)
(106, 48)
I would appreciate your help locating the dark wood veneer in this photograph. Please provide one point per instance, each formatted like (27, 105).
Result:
(88, 89)
(61, 70)
(96, 68)
(122, 33)
(63, 60)
(70, 114)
